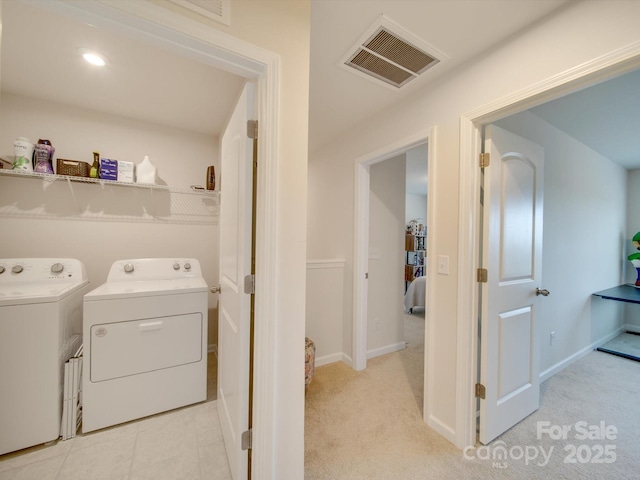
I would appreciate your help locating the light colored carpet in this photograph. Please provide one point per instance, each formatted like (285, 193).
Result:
(625, 343)
(368, 425)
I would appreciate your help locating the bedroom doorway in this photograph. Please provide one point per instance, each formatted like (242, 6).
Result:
(612, 65)
(381, 189)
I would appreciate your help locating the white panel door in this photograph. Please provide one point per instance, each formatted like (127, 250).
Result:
(512, 254)
(235, 264)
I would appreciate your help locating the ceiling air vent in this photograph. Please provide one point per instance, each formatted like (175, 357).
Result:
(391, 55)
(218, 10)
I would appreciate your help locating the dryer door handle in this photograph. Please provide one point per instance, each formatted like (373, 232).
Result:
(144, 327)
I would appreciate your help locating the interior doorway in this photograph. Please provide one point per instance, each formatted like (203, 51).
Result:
(397, 196)
(470, 193)
(364, 252)
(218, 49)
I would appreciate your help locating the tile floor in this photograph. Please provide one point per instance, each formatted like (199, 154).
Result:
(182, 444)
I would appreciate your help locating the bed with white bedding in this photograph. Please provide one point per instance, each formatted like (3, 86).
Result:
(415, 296)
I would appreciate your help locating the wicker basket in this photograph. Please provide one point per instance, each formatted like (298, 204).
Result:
(73, 168)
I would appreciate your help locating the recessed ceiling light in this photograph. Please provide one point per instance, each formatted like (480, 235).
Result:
(94, 58)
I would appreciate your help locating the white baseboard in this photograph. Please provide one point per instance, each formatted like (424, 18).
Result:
(632, 328)
(442, 428)
(394, 347)
(344, 358)
(550, 372)
(333, 358)
(347, 359)
(327, 359)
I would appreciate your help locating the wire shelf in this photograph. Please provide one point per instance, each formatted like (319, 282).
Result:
(77, 198)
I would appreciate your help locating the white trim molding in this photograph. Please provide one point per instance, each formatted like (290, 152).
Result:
(327, 359)
(393, 347)
(329, 263)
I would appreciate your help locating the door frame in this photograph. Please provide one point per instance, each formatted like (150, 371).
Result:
(600, 69)
(224, 51)
(361, 246)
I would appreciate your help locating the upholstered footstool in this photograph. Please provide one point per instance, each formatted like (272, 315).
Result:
(309, 361)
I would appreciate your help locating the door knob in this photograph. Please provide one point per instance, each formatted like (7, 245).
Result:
(544, 292)
(216, 289)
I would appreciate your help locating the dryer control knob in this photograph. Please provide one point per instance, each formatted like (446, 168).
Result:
(129, 267)
(1, 269)
(176, 266)
(57, 268)
(187, 266)
(17, 269)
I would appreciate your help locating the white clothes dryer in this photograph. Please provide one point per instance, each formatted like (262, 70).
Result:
(145, 348)
(41, 303)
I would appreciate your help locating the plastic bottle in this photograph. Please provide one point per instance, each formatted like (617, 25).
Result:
(146, 171)
(43, 157)
(95, 167)
(23, 150)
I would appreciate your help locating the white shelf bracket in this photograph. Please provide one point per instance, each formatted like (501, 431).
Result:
(73, 195)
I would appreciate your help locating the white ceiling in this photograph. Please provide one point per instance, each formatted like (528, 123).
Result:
(40, 58)
(605, 117)
(461, 29)
(148, 82)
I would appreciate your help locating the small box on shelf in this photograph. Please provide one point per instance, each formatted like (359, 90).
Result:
(125, 171)
(108, 169)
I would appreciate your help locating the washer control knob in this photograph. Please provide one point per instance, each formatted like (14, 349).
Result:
(176, 266)
(187, 266)
(129, 267)
(1, 269)
(17, 269)
(57, 268)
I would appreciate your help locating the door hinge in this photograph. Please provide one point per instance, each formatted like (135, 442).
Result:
(252, 129)
(250, 284)
(485, 160)
(483, 275)
(481, 392)
(246, 440)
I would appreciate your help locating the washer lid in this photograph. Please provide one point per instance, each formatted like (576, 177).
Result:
(114, 290)
(30, 293)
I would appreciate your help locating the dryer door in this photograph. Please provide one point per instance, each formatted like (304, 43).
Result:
(139, 346)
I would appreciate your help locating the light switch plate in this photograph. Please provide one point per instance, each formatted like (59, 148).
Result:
(443, 264)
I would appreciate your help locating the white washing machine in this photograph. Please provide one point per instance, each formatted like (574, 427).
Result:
(145, 341)
(40, 329)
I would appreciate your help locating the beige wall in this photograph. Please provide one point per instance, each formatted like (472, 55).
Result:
(324, 318)
(580, 33)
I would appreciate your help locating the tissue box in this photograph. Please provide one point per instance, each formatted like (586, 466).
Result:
(108, 169)
(125, 171)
